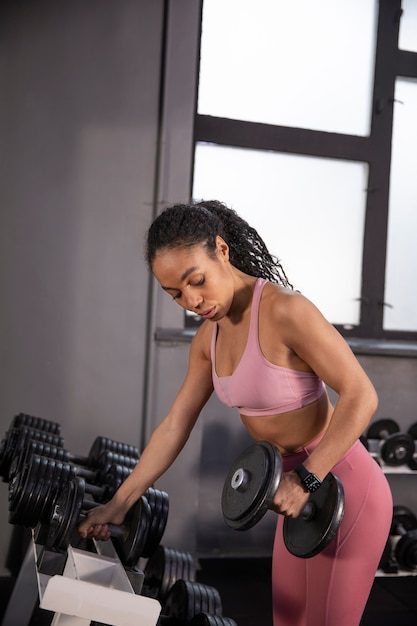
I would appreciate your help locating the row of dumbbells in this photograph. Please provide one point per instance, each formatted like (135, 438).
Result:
(400, 551)
(50, 489)
(385, 441)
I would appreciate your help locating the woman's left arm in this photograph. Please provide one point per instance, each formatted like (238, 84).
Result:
(319, 344)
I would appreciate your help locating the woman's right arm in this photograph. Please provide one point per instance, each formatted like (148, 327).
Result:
(165, 443)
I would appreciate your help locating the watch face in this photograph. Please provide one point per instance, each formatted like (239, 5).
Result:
(312, 482)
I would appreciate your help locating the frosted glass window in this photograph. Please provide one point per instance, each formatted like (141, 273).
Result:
(309, 211)
(303, 63)
(401, 271)
(408, 26)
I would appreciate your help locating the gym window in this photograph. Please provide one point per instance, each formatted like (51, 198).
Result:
(306, 125)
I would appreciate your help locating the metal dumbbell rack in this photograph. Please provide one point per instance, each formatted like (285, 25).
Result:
(78, 586)
(391, 449)
(91, 587)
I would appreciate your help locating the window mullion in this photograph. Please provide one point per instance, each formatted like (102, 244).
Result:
(376, 221)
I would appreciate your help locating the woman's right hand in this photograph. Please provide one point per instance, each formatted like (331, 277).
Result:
(95, 523)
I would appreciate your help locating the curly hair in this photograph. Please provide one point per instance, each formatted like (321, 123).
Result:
(200, 223)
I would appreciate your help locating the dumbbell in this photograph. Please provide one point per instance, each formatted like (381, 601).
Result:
(394, 447)
(15, 441)
(249, 490)
(205, 619)
(18, 438)
(7, 443)
(186, 599)
(387, 563)
(24, 419)
(106, 459)
(412, 430)
(129, 539)
(163, 569)
(404, 523)
(32, 492)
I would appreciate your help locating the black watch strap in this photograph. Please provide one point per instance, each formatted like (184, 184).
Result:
(310, 481)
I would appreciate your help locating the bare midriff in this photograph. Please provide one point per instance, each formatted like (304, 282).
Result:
(291, 431)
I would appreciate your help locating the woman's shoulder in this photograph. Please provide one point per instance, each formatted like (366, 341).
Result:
(202, 339)
(285, 304)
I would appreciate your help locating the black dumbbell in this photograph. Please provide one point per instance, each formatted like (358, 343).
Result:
(205, 619)
(404, 524)
(249, 490)
(129, 539)
(7, 443)
(139, 536)
(17, 440)
(15, 443)
(393, 446)
(186, 599)
(163, 569)
(412, 430)
(106, 459)
(387, 563)
(24, 419)
(32, 492)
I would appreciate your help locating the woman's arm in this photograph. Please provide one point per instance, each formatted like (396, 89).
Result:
(308, 334)
(165, 443)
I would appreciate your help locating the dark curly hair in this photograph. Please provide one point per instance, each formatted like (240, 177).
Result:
(200, 223)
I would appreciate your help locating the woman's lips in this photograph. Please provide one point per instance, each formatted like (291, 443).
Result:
(209, 314)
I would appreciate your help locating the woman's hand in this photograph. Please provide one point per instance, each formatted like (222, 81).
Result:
(95, 523)
(290, 498)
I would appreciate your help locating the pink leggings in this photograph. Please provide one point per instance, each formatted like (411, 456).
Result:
(332, 588)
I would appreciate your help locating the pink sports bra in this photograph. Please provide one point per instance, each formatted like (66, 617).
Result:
(258, 387)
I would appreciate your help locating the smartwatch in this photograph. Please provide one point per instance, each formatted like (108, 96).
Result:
(309, 481)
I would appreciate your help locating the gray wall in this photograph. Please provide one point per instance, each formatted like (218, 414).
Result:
(79, 102)
(95, 139)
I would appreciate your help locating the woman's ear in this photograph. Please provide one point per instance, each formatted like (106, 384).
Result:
(222, 249)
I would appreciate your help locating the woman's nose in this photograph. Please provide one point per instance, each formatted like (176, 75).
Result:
(193, 301)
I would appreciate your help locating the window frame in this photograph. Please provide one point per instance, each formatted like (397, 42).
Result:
(390, 63)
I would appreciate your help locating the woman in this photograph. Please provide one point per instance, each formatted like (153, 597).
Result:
(267, 350)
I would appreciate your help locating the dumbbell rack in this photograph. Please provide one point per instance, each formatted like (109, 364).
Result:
(390, 470)
(91, 587)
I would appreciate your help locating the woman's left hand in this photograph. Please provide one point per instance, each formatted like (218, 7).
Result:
(290, 497)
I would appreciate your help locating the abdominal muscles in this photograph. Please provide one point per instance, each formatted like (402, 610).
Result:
(291, 431)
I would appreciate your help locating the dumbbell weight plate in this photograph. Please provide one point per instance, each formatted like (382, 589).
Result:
(101, 444)
(250, 485)
(163, 569)
(406, 551)
(35, 422)
(412, 430)
(159, 502)
(64, 519)
(62, 473)
(205, 619)
(403, 518)
(306, 536)
(386, 563)
(137, 522)
(24, 492)
(397, 449)
(380, 429)
(186, 599)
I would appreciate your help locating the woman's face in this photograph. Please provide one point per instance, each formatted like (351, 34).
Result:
(196, 281)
